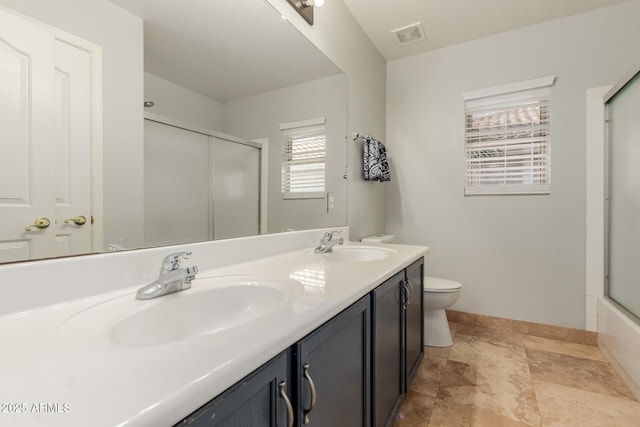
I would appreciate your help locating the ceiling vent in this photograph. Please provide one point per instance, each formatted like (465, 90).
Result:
(410, 34)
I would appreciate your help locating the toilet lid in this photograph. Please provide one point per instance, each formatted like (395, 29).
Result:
(436, 284)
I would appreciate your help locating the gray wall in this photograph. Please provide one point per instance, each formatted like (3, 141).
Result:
(182, 104)
(258, 116)
(339, 36)
(521, 257)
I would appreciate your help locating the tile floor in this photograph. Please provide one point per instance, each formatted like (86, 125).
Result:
(495, 378)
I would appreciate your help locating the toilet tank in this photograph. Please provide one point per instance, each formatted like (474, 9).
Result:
(379, 238)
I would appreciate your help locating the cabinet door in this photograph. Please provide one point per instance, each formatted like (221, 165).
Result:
(388, 360)
(260, 400)
(414, 336)
(333, 367)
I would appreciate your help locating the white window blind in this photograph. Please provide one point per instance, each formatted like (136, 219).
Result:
(507, 139)
(304, 150)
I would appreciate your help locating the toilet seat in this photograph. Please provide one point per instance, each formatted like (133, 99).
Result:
(437, 284)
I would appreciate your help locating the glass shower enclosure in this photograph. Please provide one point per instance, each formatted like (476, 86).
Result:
(622, 265)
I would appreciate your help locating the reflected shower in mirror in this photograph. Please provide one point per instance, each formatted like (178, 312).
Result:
(225, 74)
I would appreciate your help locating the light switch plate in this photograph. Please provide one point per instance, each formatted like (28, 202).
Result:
(331, 203)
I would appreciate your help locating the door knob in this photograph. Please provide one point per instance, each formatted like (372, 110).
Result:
(79, 220)
(39, 223)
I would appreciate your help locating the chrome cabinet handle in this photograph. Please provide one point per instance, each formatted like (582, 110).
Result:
(312, 386)
(406, 295)
(39, 223)
(410, 288)
(404, 300)
(78, 220)
(287, 402)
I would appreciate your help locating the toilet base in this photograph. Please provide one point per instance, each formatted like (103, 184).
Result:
(436, 329)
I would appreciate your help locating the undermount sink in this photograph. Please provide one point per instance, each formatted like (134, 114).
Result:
(357, 253)
(212, 305)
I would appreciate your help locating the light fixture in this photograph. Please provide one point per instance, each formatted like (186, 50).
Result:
(305, 8)
(316, 3)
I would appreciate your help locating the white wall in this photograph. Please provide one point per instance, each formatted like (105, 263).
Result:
(595, 207)
(182, 104)
(521, 257)
(120, 35)
(339, 36)
(258, 116)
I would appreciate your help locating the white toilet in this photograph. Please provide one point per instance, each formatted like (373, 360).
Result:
(438, 295)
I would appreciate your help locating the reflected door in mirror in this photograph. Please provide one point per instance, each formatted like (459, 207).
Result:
(72, 136)
(45, 138)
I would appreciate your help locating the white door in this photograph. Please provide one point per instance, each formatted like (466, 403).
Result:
(176, 185)
(26, 169)
(45, 142)
(72, 137)
(236, 195)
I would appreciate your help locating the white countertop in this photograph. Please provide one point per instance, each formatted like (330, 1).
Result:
(52, 377)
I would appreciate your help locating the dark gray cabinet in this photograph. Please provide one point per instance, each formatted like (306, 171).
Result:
(333, 371)
(397, 339)
(414, 325)
(350, 372)
(259, 400)
(387, 358)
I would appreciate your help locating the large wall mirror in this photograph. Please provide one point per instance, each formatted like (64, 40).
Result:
(170, 116)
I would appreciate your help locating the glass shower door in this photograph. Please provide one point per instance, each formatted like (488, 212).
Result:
(623, 143)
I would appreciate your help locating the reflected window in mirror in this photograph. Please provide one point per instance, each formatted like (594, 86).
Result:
(304, 150)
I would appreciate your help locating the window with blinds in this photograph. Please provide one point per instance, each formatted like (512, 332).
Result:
(507, 139)
(304, 148)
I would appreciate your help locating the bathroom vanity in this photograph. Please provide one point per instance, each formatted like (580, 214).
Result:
(274, 338)
(351, 371)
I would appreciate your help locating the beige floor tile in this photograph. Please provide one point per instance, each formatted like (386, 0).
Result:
(567, 348)
(415, 410)
(427, 378)
(495, 377)
(490, 375)
(584, 374)
(452, 328)
(445, 415)
(441, 353)
(562, 406)
(496, 337)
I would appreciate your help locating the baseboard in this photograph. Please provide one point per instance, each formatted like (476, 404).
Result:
(578, 336)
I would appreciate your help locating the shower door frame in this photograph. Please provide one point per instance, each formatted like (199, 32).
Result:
(260, 144)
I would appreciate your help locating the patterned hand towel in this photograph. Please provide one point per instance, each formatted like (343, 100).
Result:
(376, 166)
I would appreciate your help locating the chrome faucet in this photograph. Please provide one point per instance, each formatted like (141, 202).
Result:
(327, 243)
(172, 277)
